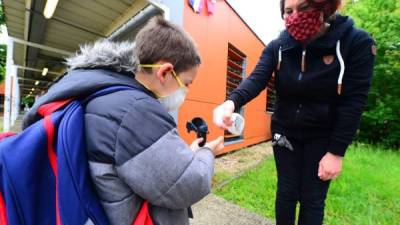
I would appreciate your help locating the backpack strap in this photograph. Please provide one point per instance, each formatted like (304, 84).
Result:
(49, 108)
(143, 217)
(50, 133)
(3, 210)
(106, 91)
(6, 135)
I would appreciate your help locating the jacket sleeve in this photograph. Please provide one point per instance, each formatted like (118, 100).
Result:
(154, 161)
(258, 79)
(356, 83)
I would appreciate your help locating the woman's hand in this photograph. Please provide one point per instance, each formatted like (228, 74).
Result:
(223, 113)
(330, 167)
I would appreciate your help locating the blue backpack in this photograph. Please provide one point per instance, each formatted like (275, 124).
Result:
(44, 175)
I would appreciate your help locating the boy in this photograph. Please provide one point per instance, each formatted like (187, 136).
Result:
(134, 150)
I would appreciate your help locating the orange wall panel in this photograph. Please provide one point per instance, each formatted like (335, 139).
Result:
(212, 35)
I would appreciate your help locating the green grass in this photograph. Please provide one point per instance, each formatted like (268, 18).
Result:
(366, 193)
(220, 177)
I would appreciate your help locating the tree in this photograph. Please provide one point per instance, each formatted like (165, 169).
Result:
(3, 56)
(2, 15)
(381, 121)
(3, 48)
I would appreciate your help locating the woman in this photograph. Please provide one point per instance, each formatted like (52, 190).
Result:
(323, 69)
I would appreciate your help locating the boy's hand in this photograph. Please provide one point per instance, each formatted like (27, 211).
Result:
(216, 145)
(195, 144)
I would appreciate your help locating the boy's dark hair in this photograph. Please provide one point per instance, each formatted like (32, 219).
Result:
(328, 7)
(162, 40)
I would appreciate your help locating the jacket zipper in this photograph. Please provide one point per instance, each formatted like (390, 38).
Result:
(299, 79)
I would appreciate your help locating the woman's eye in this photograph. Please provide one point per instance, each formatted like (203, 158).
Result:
(304, 8)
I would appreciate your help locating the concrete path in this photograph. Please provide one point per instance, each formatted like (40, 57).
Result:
(214, 210)
(17, 125)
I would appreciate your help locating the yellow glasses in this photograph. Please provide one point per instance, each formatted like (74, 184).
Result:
(180, 82)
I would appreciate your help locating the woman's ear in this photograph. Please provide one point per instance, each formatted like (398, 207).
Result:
(163, 71)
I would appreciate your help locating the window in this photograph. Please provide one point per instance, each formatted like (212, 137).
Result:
(236, 70)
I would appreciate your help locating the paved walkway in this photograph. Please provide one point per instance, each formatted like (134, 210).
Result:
(17, 125)
(214, 210)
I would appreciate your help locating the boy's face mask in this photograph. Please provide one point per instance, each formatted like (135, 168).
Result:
(175, 100)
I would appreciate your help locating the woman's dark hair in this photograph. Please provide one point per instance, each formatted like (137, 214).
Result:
(328, 7)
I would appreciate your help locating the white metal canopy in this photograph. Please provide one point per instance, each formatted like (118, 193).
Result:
(37, 43)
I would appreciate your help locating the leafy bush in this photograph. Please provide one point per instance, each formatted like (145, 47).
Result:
(381, 121)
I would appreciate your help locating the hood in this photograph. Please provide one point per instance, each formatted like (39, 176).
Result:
(338, 28)
(117, 56)
(96, 66)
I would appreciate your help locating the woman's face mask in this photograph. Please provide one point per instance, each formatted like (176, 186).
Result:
(304, 25)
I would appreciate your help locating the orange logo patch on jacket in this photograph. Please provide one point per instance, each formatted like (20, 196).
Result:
(328, 59)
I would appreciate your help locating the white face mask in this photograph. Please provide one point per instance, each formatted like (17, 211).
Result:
(175, 100)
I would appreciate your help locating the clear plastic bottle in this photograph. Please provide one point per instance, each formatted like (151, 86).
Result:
(238, 124)
(237, 119)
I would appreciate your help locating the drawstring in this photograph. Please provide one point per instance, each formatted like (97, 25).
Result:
(303, 61)
(342, 68)
(278, 67)
(303, 64)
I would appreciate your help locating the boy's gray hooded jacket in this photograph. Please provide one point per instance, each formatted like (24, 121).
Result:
(134, 149)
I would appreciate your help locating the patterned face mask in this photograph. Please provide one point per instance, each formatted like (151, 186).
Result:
(303, 25)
